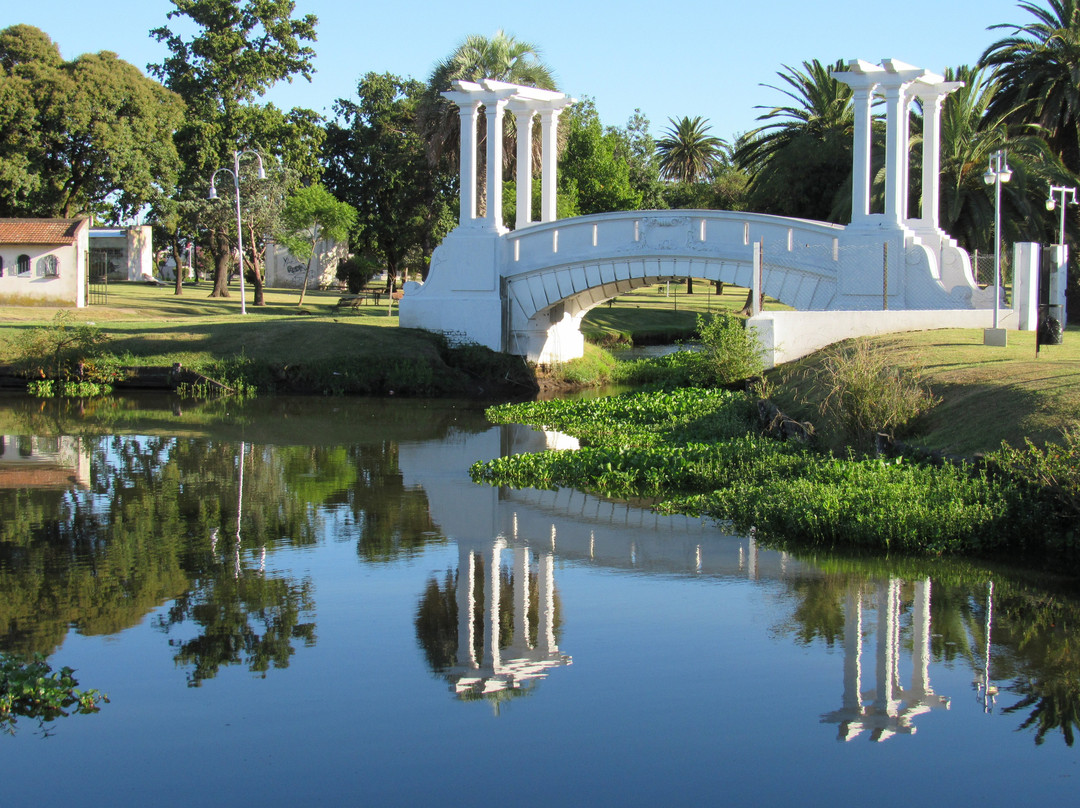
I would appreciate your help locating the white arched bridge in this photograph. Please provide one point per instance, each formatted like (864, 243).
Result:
(525, 291)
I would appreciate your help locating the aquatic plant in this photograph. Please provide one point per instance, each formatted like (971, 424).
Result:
(32, 689)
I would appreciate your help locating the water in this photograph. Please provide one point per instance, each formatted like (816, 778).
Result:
(324, 652)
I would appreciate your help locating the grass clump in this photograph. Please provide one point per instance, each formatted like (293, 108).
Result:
(33, 689)
(865, 392)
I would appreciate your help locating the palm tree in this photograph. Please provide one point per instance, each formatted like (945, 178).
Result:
(1038, 70)
(800, 161)
(687, 153)
(970, 132)
(501, 57)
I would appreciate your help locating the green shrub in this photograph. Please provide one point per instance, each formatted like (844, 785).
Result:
(1053, 470)
(65, 349)
(356, 271)
(730, 351)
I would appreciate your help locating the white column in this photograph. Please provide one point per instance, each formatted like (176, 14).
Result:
(549, 129)
(523, 118)
(493, 111)
(932, 100)
(469, 111)
(896, 120)
(860, 179)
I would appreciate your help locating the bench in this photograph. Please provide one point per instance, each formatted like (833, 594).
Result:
(354, 301)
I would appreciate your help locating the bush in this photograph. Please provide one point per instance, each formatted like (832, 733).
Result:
(65, 350)
(356, 271)
(866, 393)
(1054, 470)
(731, 352)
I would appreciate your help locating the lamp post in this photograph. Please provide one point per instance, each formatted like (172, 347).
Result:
(997, 173)
(235, 172)
(1062, 192)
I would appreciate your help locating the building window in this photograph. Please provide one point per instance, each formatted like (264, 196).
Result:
(23, 264)
(1, 266)
(48, 267)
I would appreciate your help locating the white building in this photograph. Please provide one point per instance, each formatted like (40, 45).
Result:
(43, 262)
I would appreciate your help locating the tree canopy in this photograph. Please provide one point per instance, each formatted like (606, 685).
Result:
(89, 136)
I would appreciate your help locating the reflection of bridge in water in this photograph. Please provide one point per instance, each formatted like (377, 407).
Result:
(532, 529)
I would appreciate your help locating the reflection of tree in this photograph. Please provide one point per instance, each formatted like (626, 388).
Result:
(1055, 699)
(391, 518)
(244, 617)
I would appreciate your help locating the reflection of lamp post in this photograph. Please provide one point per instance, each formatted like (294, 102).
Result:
(997, 173)
(235, 171)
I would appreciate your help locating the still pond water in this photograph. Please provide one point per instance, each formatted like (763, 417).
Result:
(375, 629)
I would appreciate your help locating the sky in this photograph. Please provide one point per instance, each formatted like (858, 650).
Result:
(707, 58)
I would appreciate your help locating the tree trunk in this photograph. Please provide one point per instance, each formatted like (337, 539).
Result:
(689, 285)
(258, 278)
(221, 271)
(176, 260)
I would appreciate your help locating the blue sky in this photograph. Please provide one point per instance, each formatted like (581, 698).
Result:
(668, 59)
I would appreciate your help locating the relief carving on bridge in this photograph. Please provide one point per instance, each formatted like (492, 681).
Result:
(663, 234)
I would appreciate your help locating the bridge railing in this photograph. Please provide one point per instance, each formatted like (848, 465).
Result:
(715, 234)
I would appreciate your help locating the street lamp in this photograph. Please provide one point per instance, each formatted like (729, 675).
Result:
(997, 173)
(1062, 192)
(235, 172)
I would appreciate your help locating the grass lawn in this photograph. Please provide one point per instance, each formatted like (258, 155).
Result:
(149, 325)
(662, 313)
(987, 394)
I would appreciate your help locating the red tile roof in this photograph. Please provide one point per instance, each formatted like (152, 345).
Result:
(39, 231)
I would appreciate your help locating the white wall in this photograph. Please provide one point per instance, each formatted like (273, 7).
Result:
(790, 335)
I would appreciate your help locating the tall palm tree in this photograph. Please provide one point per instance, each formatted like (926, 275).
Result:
(799, 162)
(1038, 69)
(687, 153)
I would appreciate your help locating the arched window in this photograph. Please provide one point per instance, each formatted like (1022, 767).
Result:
(1, 266)
(23, 264)
(48, 266)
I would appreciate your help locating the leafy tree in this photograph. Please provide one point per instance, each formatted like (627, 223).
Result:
(89, 136)
(238, 51)
(311, 215)
(638, 149)
(590, 170)
(687, 153)
(799, 162)
(375, 160)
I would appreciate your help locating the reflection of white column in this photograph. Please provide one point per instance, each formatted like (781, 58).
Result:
(546, 596)
(491, 616)
(523, 118)
(852, 699)
(521, 597)
(751, 559)
(920, 640)
(885, 703)
(466, 605)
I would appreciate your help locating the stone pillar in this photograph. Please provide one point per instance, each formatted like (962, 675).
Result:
(469, 111)
(493, 111)
(549, 128)
(896, 121)
(860, 179)
(932, 96)
(523, 118)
